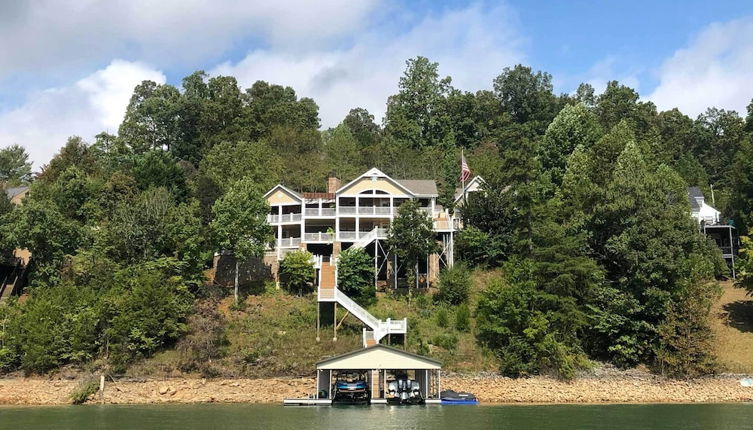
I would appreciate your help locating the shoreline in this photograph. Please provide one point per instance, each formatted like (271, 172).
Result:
(490, 390)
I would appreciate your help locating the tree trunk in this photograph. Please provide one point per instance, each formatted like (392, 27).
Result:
(235, 293)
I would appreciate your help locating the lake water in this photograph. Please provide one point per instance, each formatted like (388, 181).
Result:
(235, 416)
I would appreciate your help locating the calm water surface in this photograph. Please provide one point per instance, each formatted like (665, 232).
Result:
(214, 416)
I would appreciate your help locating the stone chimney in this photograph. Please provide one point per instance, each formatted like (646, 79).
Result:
(333, 183)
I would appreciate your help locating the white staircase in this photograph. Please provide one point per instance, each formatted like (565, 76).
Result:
(366, 239)
(378, 329)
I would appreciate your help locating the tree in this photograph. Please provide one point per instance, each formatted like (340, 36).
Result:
(15, 167)
(529, 330)
(229, 162)
(412, 114)
(574, 125)
(355, 275)
(342, 153)
(361, 123)
(454, 284)
(526, 96)
(157, 168)
(297, 272)
(38, 226)
(152, 119)
(411, 236)
(240, 223)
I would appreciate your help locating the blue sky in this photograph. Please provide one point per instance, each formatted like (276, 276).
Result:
(71, 66)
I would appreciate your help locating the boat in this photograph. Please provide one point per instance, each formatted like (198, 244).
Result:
(450, 397)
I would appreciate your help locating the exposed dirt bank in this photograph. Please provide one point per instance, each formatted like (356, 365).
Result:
(613, 387)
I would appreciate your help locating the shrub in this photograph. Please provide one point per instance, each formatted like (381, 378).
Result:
(355, 275)
(205, 340)
(448, 341)
(85, 389)
(463, 318)
(297, 272)
(443, 319)
(454, 284)
(529, 330)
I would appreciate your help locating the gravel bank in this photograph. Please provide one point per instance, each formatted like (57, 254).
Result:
(602, 387)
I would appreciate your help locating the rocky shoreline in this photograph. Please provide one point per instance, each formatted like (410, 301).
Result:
(625, 387)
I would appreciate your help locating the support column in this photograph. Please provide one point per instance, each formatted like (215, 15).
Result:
(318, 322)
(279, 232)
(358, 218)
(376, 267)
(732, 252)
(334, 322)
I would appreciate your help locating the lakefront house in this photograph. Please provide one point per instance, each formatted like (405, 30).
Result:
(358, 214)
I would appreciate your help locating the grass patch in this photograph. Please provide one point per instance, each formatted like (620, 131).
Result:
(85, 389)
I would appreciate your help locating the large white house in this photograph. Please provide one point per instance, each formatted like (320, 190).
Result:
(710, 222)
(358, 214)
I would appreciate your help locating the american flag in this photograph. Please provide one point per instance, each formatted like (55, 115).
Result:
(465, 172)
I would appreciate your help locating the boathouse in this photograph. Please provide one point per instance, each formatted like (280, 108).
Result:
(381, 365)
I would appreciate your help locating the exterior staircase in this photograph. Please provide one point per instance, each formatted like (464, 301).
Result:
(366, 239)
(377, 329)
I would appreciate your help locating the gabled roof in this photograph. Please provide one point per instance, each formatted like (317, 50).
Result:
(379, 357)
(695, 194)
(378, 173)
(420, 187)
(284, 188)
(13, 192)
(476, 181)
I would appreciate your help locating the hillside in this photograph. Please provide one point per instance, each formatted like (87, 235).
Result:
(274, 334)
(732, 318)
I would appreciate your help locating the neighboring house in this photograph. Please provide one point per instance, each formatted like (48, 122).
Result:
(709, 221)
(359, 214)
(16, 194)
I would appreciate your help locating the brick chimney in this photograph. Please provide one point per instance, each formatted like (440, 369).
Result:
(333, 183)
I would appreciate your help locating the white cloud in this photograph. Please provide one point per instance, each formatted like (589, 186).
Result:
(472, 45)
(71, 33)
(715, 69)
(93, 104)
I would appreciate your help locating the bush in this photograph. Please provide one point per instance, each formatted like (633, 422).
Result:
(448, 341)
(205, 340)
(297, 272)
(463, 318)
(355, 275)
(149, 307)
(530, 331)
(85, 389)
(443, 319)
(454, 284)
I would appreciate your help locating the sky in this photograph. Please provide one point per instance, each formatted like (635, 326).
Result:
(68, 67)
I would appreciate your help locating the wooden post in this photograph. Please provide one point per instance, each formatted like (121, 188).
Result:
(334, 322)
(376, 269)
(318, 319)
(102, 388)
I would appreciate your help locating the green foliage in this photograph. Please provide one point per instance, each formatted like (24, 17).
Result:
(146, 310)
(355, 275)
(240, 220)
(686, 340)
(228, 162)
(15, 167)
(463, 318)
(448, 341)
(297, 272)
(442, 317)
(454, 284)
(85, 389)
(411, 235)
(531, 331)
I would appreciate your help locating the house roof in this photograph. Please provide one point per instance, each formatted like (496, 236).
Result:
(477, 180)
(695, 193)
(374, 172)
(284, 188)
(420, 187)
(379, 357)
(13, 192)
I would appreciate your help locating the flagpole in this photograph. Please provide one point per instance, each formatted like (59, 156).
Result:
(462, 175)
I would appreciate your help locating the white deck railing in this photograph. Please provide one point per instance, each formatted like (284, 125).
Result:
(319, 237)
(288, 242)
(277, 219)
(324, 212)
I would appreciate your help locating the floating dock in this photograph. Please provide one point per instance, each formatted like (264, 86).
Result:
(307, 402)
